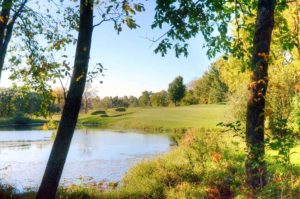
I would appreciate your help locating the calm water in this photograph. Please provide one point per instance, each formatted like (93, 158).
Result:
(99, 154)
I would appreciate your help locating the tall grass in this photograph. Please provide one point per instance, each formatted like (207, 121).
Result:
(204, 165)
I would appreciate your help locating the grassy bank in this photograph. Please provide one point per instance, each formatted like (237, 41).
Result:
(160, 119)
(204, 165)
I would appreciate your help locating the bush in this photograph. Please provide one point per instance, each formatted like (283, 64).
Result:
(21, 118)
(120, 109)
(105, 115)
(98, 112)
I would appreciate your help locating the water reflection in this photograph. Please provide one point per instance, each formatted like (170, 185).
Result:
(93, 153)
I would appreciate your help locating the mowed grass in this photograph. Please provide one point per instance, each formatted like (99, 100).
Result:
(164, 118)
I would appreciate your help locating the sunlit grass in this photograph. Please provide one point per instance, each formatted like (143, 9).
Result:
(167, 118)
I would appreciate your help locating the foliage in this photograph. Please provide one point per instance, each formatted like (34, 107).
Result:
(113, 102)
(294, 120)
(187, 18)
(189, 98)
(282, 140)
(144, 99)
(98, 112)
(205, 164)
(210, 88)
(176, 90)
(120, 109)
(238, 103)
(133, 101)
(159, 99)
(17, 100)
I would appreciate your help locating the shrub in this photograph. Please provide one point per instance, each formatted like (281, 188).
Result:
(21, 118)
(105, 115)
(98, 112)
(120, 109)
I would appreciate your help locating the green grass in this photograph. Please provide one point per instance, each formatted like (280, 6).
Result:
(165, 118)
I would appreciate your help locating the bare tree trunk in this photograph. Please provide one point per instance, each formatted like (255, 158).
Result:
(255, 163)
(86, 108)
(72, 105)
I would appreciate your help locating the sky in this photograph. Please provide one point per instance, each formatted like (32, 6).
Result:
(132, 66)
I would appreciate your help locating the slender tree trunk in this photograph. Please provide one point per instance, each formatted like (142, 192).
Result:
(2, 58)
(255, 164)
(72, 105)
(5, 14)
(86, 108)
(6, 27)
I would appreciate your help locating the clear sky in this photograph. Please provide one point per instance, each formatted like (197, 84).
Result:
(132, 66)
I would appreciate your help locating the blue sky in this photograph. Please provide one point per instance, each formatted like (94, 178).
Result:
(132, 66)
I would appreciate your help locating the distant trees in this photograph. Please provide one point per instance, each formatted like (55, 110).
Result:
(176, 90)
(210, 88)
(133, 101)
(88, 94)
(144, 99)
(190, 98)
(15, 101)
(159, 99)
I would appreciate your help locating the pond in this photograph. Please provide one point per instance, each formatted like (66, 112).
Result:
(94, 154)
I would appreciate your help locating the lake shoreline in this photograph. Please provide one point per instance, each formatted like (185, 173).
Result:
(102, 154)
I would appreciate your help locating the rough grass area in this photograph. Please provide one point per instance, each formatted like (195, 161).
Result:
(204, 165)
(161, 119)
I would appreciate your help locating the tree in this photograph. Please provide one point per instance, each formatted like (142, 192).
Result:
(25, 22)
(117, 12)
(133, 101)
(211, 18)
(190, 98)
(210, 88)
(106, 103)
(255, 119)
(72, 105)
(88, 94)
(159, 99)
(144, 99)
(23, 100)
(7, 24)
(176, 90)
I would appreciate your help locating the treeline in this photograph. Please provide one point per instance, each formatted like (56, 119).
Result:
(18, 101)
(208, 89)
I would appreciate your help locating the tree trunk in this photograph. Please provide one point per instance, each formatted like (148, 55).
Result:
(86, 108)
(5, 14)
(6, 27)
(255, 164)
(72, 105)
